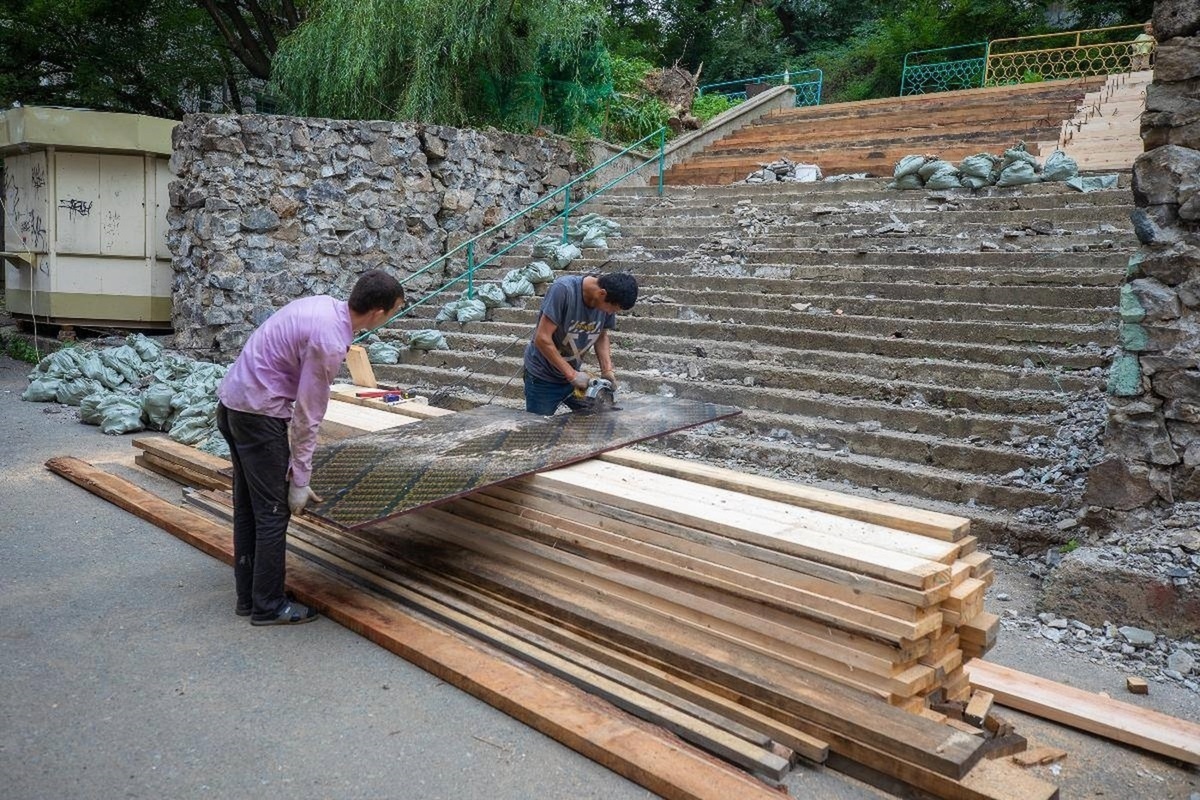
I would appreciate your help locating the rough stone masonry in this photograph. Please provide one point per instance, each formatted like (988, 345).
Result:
(267, 208)
(1153, 430)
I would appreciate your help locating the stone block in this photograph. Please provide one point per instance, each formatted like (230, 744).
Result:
(1156, 301)
(1176, 18)
(1142, 439)
(1125, 376)
(1114, 484)
(1172, 265)
(1155, 225)
(1165, 176)
(1177, 59)
(1181, 385)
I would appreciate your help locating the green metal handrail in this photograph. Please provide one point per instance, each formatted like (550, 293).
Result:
(469, 247)
(928, 69)
(806, 82)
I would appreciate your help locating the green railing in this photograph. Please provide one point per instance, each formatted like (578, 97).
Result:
(560, 202)
(944, 69)
(807, 84)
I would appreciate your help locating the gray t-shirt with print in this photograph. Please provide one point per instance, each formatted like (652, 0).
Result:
(577, 327)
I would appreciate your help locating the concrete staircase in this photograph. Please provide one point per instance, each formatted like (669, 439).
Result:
(872, 135)
(1106, 131)
(915, 346)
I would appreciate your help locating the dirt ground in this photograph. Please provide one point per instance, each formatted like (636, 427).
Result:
(126, 673)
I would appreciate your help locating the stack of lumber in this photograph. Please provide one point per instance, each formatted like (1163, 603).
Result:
(1106, 133)
(755, 618)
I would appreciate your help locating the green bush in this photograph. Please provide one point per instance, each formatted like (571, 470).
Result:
(707, 106)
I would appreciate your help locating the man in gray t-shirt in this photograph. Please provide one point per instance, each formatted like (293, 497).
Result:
(576, 315)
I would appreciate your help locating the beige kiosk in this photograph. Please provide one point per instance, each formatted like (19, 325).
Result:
(85, 217)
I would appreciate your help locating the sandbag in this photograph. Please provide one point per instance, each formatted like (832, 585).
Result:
(910, 181)
(1092, 183)
(1018, 173)
(515, 284)
(545, 246)
(490, 294)
(124, 360)
(93, 367)
(156, 406)
(932, 166)
(946, 179)
(1016, 154)
(982, 165)
(42, 390)
(1059, 167)
(972, 182)
(564, 254)
(383, 353)
(62, 364)
(120, 413)
(538, 272)
(89, 407)
(428, 339)
(195, 423)
(72, 390)
(147, 349)
(907, 166)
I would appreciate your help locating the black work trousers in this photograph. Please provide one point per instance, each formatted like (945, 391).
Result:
(258, 447)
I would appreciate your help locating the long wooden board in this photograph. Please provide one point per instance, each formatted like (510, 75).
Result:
(1122, 722)
(646, 755)
(926, 523)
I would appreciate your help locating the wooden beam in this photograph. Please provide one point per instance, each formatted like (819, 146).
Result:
(1122, 722)
(927, 523)
(359, 365)
(648, 756)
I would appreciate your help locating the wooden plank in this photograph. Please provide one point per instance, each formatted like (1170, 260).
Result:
(843, 613)
(927, 523)
(1043, 754)
(647, 756)
(178, 472)
(978, 707)
(364, 419)
(814, 544)
(720, 502)
(212, 467)
(344, 392)
(1122, 722)
(980, 630)
(565, 519)
(359, 365)
(782, 687)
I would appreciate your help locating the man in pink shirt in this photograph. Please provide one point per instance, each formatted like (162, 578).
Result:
(280, 385)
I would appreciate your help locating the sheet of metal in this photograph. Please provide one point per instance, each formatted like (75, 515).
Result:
(381, 475)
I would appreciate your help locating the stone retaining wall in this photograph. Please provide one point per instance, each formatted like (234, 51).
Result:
(1153, 431)
(266, 209)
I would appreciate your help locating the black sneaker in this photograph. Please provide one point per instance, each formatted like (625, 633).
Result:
(290, 613)
(243, 609)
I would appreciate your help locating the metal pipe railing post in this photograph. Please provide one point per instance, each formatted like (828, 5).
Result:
(662, 153)
(471, 270)
(566, 215)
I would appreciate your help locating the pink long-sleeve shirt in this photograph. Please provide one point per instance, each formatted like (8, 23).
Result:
(285, 370)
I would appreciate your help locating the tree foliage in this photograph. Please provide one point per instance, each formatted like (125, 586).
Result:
(455, 62)
(144, 56)
(252, 29)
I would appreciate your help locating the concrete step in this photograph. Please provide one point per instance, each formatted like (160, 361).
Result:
(873, 188)
(633, 221)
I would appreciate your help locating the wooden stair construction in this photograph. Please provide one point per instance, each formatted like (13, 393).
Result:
(923, 343)
(1106, 134)
(872, 135)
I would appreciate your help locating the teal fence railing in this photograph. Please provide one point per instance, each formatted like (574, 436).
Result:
(944, 69)
(552, 210)
(807, 83)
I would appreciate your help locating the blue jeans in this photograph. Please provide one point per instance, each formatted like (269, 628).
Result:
(543, 397)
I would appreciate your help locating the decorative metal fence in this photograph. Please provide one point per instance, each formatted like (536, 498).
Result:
(1071, 54)
(807, 84)
(944, 69)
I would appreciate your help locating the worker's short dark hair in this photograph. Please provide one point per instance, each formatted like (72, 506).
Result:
(375, 289)
(620, 288)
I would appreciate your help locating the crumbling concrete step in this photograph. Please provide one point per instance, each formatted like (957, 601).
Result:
(912, 200)
(684, 356)
(1003, 332)
(648, 369)
(1101, 298)
(901, 476)
(1077, 358)
(766, 229)
(948, 238)
(875, 188)
(868, 304)
(635, 223)
(437, 371)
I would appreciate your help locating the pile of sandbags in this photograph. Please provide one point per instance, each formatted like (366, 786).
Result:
(1016, 167)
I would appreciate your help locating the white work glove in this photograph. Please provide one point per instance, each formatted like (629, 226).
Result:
(300, 496)
(581, 380)
(611, 378)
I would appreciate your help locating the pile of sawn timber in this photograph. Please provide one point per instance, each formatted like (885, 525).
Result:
(721, 606)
